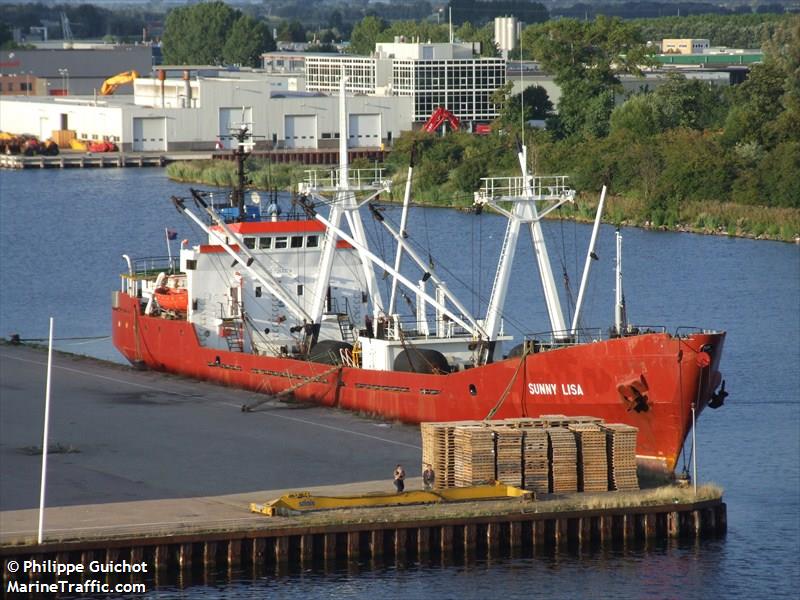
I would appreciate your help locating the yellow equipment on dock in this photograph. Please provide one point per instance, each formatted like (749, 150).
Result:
(300, 502)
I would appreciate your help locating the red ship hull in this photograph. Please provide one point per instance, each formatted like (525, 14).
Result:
(594, 379)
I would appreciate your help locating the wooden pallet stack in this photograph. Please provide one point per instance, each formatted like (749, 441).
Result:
(535, 464)
(592, 458)
(509, 455)
(621, 452)
(474, 455)
(438, 450)
(563, 454)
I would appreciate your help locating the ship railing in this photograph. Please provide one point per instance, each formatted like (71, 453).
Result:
(564, 338)
(408, 327)
(327, 180)
(685, 331)
(144, 271)
(547, 187)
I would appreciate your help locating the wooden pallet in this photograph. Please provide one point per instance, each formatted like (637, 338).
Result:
(474, 455)
(508, 442)
(592, 458)
(621, 453)
(535, 463)
(563, 455)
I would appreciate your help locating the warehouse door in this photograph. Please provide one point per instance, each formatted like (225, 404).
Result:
(301, 131)
(149, 134)
(230, 120)
(364, 130)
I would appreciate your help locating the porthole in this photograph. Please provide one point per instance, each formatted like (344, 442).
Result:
(473, 391)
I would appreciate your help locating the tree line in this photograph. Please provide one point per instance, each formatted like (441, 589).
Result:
(675, 154)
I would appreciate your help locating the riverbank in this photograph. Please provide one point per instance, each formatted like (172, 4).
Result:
(707, 218)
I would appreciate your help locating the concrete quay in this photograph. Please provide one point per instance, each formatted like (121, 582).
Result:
(156, 468)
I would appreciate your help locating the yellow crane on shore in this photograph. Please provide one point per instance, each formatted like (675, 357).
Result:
(111, 84)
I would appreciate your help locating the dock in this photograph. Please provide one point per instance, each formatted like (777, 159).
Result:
(219, 532)
(85, 160)
(156, 468)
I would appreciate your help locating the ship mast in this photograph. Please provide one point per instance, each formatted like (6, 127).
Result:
(240, 153)
(344, 204)
(620, 318)
(523, 193)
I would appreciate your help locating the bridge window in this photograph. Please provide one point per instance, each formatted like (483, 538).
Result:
(312, 241)
(280, 242)
(264, 243)
(297, 241)
(250, 242)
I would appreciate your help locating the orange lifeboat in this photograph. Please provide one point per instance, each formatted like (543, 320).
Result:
(172, 298)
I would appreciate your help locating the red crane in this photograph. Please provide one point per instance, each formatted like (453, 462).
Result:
(439, 116)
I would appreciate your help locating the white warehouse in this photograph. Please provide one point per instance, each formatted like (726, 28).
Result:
(198, 114)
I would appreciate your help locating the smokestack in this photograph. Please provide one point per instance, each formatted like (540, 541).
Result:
(161, 77)
(187, 88)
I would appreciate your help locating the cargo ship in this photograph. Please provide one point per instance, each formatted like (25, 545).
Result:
(289, 306)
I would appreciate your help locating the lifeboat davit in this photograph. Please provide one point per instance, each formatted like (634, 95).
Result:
(172, 298)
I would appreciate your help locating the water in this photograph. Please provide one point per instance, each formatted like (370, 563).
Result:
(62, 234)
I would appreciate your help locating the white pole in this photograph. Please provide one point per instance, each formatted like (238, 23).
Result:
(694, 450)
(169, 248)
(587, 266)
(46, 430)
(450, 13)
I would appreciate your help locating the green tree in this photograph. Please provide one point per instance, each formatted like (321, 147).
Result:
(483, 35)
(196, 34)
(533, 100)
(292, 31)
(585, 60)
(6, 38)
(365, 34)
(247, 40)
(679, 102)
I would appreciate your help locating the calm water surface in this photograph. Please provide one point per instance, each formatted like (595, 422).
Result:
(62, 234)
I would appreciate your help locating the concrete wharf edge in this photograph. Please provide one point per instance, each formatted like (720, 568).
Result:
(378, 531)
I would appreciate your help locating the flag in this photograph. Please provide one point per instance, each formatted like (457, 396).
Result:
(172, 234)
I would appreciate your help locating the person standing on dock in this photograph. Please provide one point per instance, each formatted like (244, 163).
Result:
(399, 478)
(428, 477)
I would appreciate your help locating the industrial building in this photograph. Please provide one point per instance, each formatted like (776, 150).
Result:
(69, 71)
(198, 113)
(432, 75)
